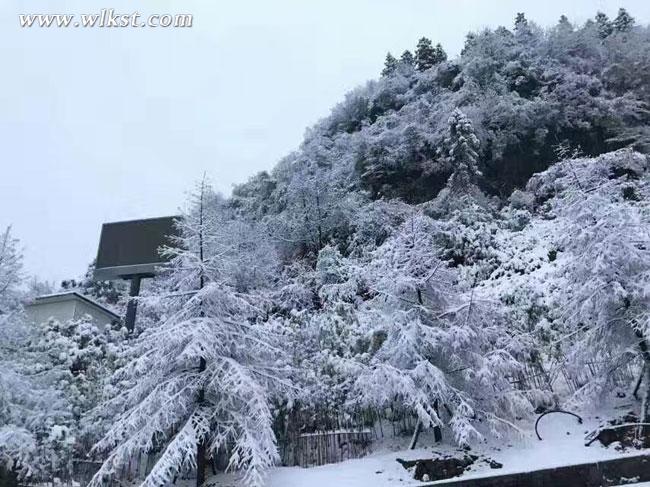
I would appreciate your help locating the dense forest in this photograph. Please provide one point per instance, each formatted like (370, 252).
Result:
(449, 227)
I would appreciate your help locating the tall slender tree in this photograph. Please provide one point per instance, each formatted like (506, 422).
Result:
(604, 27)
(10, 272)
(390, 65)
(623, 21)
(407, 58)
(439, 54)
(425, 54)
(200, 378)
(461, 151)
(521, 22)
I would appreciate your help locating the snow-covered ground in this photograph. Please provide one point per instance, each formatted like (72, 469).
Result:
(563, 444)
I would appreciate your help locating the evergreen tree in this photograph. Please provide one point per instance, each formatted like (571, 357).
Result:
(439, 54)
(604, 27)
(522, 29)
(407, 59)
(424, 54)
(462, 147)
(470, 42)
(623, 21)
(564, 25)
(521, 22)
(390, 65)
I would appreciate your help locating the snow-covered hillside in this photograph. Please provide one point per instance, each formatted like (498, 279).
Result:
(459, 246)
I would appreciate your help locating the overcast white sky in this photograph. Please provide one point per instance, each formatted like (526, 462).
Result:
(103, 125)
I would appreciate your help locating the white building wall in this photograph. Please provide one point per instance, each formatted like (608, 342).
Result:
(38, 313)
(68, 309)
(98, 316)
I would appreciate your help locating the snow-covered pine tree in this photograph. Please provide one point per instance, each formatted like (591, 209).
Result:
(521, 24)
(564, 26)
(425, 54)
(604, 27)
(201, 374)
(390, 65)
(623, 21)
(439, 54)
(442, 351)
(461, 151)
(520, 20)
(407, 58)
(460, 199)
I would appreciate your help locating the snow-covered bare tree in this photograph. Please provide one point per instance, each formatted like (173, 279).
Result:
(442, 349)
(35, 439)
(602, 226)
(10, 272)
(201, 375)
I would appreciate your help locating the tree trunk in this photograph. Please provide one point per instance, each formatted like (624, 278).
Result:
(201, 446)
(200, 463)
(8, 478)
(639, 381)
(416, 435)
(437, 432)
(644, 416)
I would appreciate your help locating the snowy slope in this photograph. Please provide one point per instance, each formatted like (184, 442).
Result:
(562, 444)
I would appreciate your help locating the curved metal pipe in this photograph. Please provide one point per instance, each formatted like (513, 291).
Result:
(554, 411)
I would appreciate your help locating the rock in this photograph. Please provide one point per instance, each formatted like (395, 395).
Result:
(495, 464)
(622, 434)
(438, 468)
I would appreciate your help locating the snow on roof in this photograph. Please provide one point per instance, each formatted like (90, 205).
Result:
(70, 295)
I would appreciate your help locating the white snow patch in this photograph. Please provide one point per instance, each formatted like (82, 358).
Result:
(562, 444)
